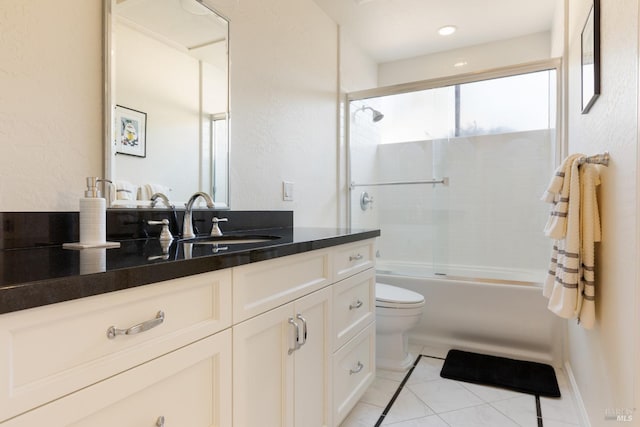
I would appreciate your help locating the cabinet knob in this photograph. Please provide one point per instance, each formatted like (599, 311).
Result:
(160, 422)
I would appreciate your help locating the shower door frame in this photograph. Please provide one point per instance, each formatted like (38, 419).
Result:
(509, 71)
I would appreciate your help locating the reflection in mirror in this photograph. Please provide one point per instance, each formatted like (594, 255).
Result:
(167, 101)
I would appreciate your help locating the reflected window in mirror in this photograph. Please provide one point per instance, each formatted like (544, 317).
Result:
(169, 60)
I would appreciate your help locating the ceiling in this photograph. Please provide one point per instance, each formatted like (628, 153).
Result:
(389, 30)
(184, 24)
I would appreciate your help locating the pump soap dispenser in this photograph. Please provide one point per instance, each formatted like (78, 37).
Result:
(93, 218)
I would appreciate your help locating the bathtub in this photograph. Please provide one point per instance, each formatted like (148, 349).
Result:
(504, 318)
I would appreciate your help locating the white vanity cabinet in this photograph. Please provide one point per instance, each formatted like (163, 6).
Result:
(282, 342)
(330, 293)
(353, 359)
(82, 357)
(281, 365)
(190, 386)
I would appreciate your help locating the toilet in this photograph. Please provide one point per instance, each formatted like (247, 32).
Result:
(397, 311)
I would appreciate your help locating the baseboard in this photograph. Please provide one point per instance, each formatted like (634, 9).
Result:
(480, 347)
(579, 403)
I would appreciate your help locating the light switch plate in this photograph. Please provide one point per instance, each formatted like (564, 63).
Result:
(287, 191)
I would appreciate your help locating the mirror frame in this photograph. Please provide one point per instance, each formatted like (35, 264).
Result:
(108, 106)
(590, 55)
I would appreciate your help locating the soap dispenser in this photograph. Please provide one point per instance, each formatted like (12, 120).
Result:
(93, 214)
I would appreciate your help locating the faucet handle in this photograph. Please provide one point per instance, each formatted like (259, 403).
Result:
(215, 230)
(165, 234)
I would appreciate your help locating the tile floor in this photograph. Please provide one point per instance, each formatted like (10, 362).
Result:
(427, 400)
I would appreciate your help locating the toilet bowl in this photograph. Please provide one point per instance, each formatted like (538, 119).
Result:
(397, 311)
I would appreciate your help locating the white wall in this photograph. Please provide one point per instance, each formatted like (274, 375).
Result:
(357, 72)
(603, 360)
(284, 80)
(283, 105)
(478, 58)
(50, 102)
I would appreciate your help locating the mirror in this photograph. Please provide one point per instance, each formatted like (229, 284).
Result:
(167, 101)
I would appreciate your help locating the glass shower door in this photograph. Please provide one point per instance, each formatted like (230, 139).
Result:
(452, 176)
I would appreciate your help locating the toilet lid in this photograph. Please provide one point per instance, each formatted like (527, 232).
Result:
(393, 296)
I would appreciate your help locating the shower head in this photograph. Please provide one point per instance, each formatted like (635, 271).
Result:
(377, 115)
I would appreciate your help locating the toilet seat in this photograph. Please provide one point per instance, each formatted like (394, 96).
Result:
(388, 296)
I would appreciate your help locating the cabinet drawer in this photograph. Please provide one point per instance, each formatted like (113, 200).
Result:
(261, 286)
(51, 351)
(353, 306)
(188, 387)
(353, 372)
(353, 258)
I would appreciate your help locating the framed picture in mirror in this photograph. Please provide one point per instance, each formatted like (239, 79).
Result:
(590, 58)
(131, 131)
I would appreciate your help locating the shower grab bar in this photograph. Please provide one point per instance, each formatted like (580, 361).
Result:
(443, 181)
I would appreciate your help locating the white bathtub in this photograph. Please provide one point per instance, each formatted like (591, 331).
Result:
(510, 320)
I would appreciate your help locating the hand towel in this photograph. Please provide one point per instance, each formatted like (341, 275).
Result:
(148, 190)
(589, 233)
(557, 193)
(124, 190)
(561, 284)
(570, 282)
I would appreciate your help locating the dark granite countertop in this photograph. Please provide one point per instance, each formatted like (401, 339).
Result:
(37, 276)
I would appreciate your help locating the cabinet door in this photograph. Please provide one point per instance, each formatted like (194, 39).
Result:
(187, 387)
(312, 367)
(263, 370)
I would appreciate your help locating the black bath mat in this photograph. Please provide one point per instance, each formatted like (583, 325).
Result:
(518, 375)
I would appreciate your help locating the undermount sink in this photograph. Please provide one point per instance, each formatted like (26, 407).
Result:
(230, 240)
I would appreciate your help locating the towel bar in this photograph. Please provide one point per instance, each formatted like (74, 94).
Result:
(443, 181)
(598, 159)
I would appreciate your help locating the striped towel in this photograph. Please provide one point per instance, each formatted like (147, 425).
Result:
(574, 224)
(590, 233)
(557, 193)
(123, 190)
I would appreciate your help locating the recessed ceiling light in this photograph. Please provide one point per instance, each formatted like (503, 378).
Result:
(447, 30)
(460, 64)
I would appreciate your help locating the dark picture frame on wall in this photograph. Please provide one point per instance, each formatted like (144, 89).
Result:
(590, 58)
(131, 131)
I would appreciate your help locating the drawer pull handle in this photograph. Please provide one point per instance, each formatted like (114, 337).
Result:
(304, 329)
(355, 306)
(112, 332)
(296, 338)
(160, 422)
(359, 367)
(357, 257)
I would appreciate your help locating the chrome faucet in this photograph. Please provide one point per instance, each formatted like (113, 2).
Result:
(187, 225)
(163, 198)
